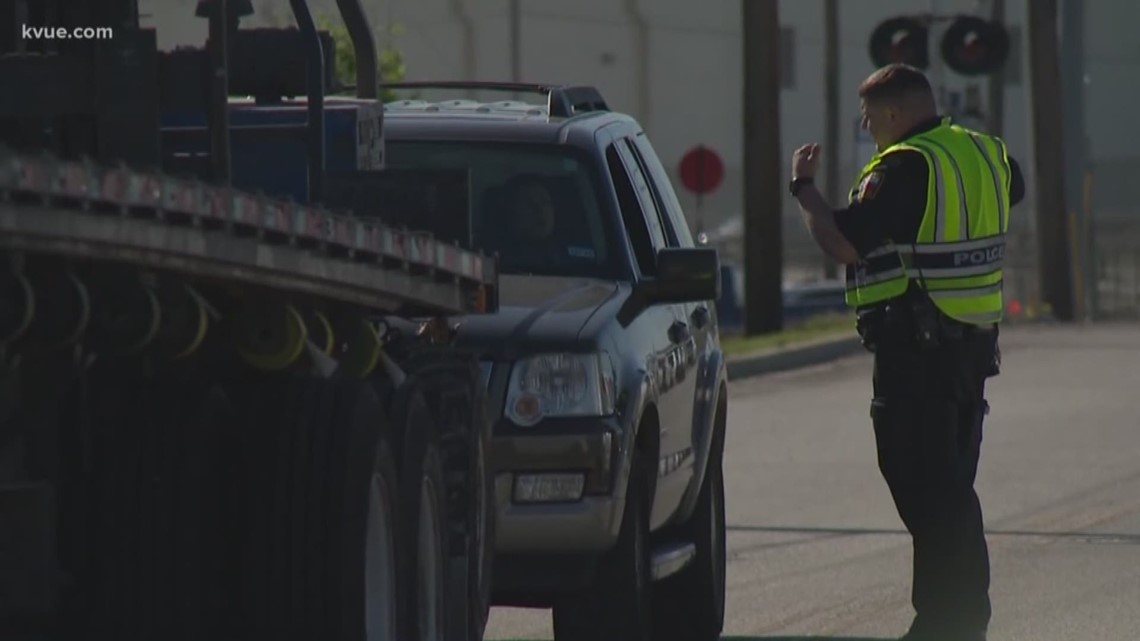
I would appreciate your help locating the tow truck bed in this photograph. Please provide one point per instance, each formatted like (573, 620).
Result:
(81, 210)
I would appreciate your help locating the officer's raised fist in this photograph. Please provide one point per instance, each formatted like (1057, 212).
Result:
(805, 161)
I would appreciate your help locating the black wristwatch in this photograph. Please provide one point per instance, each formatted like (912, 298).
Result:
(798, 183)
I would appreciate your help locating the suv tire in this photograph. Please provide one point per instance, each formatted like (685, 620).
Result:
(617, 606)
(689, 606)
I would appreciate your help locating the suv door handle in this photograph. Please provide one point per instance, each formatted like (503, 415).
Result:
(700, 317)
(678, 332)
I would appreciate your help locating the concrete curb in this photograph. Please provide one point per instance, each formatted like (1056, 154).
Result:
(781, 360)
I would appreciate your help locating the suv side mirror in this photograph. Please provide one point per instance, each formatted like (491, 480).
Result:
(684, 275)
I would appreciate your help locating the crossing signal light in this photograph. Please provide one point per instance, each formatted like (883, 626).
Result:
(901, 40)
(974, 47)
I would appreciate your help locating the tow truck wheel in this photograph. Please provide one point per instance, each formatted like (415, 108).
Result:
(423, 517)
(482, 544)
(147, 516)
(357, 522)
(689, 606)
(381, 576)
(617, 606)
(455, 396)
(322, 542)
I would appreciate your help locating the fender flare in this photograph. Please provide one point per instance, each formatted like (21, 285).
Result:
(641, 396)
(713, 376)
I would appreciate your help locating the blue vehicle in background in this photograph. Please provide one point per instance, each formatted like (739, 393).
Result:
(801, 301)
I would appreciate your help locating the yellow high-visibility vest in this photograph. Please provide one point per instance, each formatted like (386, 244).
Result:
(958, 255)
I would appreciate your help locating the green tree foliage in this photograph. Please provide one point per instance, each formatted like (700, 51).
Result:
(390, 62)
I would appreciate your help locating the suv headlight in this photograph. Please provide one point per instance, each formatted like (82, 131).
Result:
(560, 385)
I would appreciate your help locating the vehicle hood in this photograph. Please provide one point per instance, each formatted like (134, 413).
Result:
(535, 312)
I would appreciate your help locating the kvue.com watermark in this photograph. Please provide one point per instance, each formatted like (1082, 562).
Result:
(63, 33)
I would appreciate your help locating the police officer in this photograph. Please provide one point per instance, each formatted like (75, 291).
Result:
(923, 238)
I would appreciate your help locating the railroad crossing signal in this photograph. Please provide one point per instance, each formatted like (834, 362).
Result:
(975, 47)
(971, 46)
(901, 40)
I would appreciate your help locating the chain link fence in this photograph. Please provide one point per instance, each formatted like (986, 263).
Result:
(1112, 195)
(1116, 292)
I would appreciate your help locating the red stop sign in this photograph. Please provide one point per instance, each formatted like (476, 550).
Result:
(701, 170)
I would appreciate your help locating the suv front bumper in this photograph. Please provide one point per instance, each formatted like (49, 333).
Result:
(557, 486)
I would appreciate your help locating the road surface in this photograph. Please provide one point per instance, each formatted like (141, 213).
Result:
(817, 551)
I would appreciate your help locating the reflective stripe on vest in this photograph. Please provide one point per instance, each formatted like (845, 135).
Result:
(960, 248)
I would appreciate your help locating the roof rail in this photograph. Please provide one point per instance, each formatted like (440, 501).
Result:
(562, 101)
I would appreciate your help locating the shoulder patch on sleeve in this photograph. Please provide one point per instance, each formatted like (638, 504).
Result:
(871, 185)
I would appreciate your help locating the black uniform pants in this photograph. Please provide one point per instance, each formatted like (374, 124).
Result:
(927, 413)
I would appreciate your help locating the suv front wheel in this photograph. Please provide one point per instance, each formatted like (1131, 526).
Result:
(689, 606)
(617, 606)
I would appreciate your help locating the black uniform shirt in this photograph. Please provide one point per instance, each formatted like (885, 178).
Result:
(892, 198)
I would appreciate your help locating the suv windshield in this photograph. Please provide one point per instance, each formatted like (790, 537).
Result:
(535, 205)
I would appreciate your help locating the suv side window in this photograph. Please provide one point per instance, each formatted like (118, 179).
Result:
(664, 190)
(631, 212)
(644, 194)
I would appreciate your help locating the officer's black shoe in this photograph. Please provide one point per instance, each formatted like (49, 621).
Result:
(920, 632)
(935, 636)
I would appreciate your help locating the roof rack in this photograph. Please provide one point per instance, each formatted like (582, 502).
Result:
(562, 101)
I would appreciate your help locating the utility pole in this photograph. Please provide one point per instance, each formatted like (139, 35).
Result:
(218, 115)
(1072, 54)
(763, 178)
(1053, 250)
(831, 118)
(516, 40)
(995, 113)
(937, 74)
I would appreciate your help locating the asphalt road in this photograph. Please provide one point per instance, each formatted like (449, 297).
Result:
(817, 551)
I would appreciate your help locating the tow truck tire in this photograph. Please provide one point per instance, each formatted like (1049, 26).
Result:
(454, 394)
(145, 523)
(617, 606)
(370, 578)
(423, 518)
(322, 532)
(481, 551)
(689, 606)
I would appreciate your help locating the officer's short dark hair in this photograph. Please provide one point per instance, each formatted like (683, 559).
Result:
(895, 83)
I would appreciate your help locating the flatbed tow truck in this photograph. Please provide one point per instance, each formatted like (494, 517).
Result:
(225, 414)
